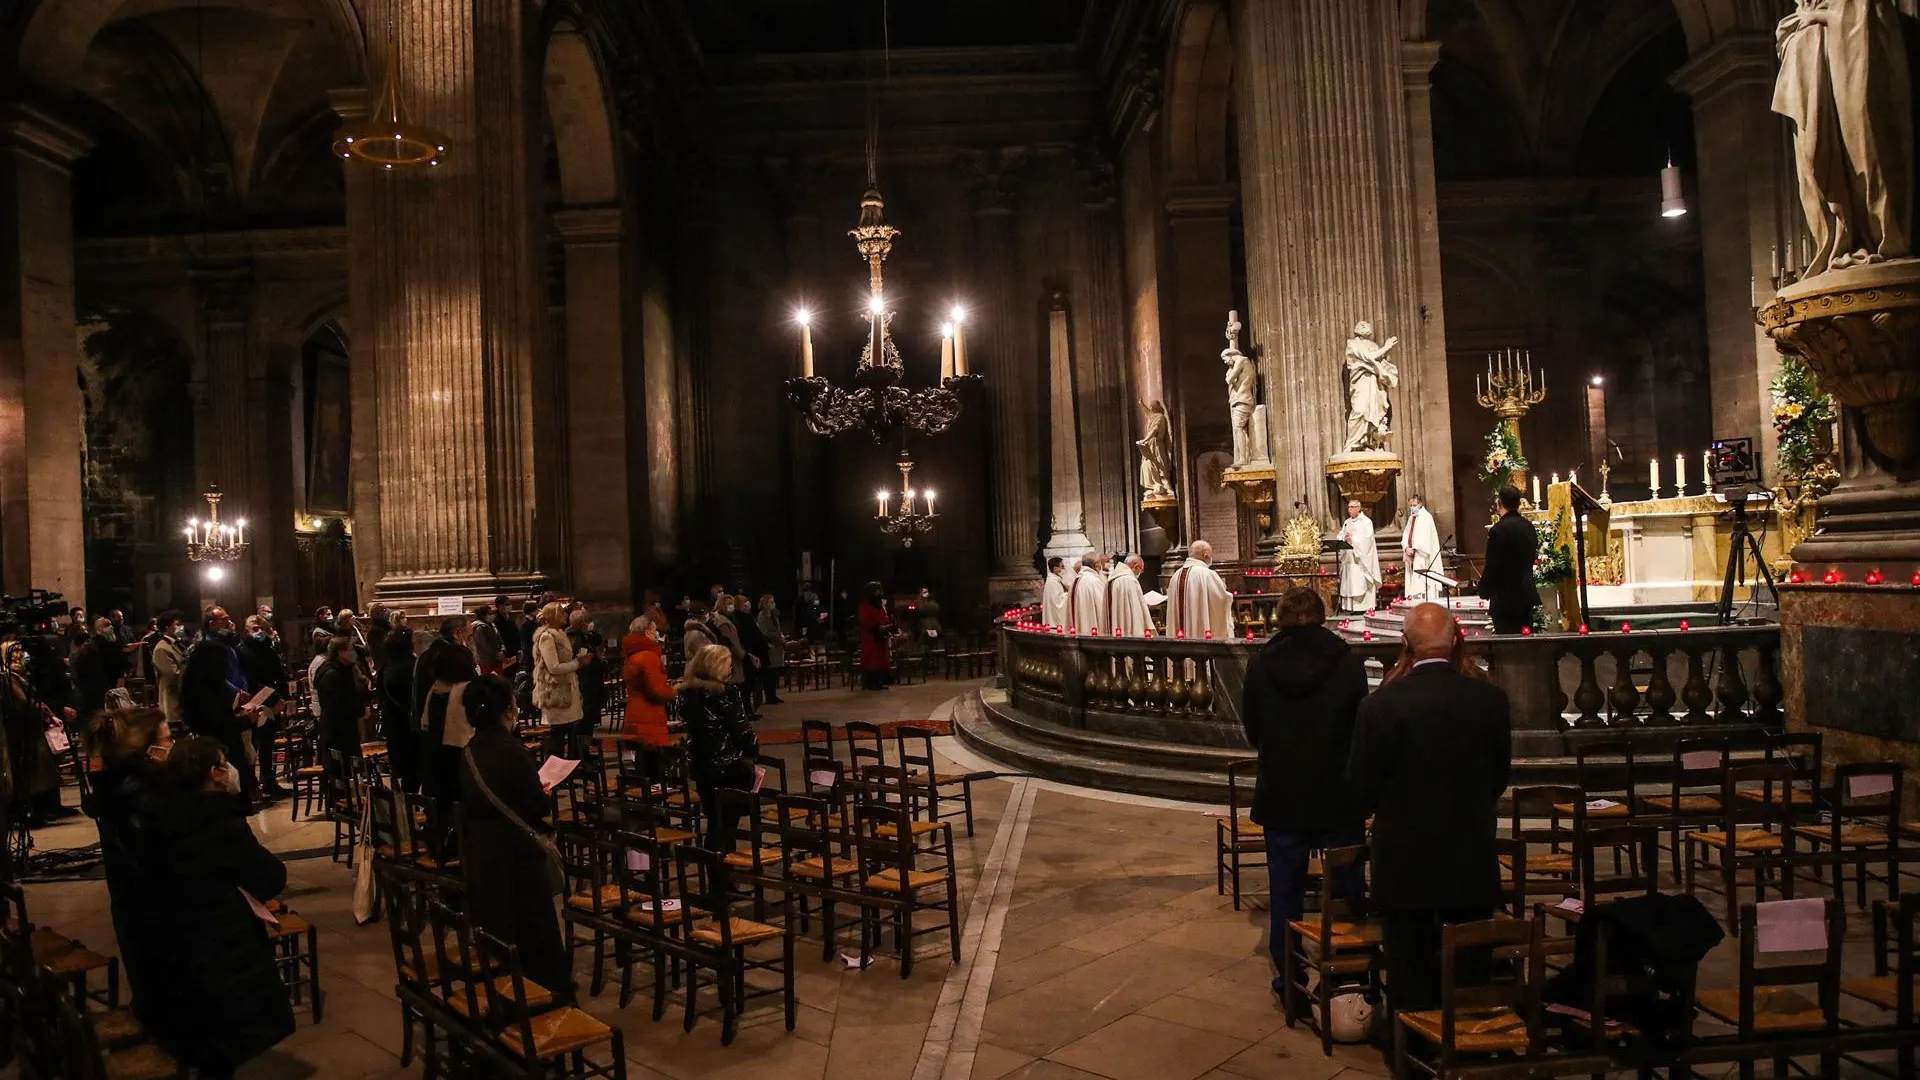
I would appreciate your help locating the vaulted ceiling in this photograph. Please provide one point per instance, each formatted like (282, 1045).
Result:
(736, 27)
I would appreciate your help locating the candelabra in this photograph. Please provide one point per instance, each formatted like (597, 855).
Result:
(1511, 388)
(211, 540)
(878, 403)
(907, 521)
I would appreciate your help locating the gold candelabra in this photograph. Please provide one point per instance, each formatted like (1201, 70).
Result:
(1510, 387)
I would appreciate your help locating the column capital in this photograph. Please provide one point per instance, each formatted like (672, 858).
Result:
(226, 293)
(1416, 61)
(33, 131)
(996, 178)
(587, 225)
(1200, 202)
(1742, 59)
(350, 103)
(1100, 186)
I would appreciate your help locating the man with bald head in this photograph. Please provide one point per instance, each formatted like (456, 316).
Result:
(1431, 752)
(1198, 603)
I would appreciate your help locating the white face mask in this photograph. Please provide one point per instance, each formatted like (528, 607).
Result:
(232, 780)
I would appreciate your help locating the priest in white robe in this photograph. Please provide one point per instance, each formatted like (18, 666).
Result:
(1053, 595)
(1126, 601)
(1420, 550)
(1087, 598)
(1360, 563)
(1197, 600)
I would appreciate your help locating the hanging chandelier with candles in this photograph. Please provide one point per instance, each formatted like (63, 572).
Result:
(908, 520)
(879, 403)
(212, 540)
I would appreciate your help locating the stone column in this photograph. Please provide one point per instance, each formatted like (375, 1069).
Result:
(996, 351)
(1101, 370)
(1199, 294)
(1422, 409)
(1068, 537)
(1334, 221)
(42, 534)
(1742, 150)
(602, 533)
(444, 286)
(270, 506)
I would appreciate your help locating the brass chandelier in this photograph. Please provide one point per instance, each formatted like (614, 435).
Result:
(908, 520)
(879, 403)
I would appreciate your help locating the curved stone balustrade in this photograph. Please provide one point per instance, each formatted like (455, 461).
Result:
(1164, 715)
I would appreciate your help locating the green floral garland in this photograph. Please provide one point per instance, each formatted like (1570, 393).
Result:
(1503, 461)
(1802, 415)
(1553, 563)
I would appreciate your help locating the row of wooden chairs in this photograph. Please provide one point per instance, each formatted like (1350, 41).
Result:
(865, 744)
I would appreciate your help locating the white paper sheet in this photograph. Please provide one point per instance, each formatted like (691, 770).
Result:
(260, 910)
(259, 699)
(556, 769)
(1155, 598)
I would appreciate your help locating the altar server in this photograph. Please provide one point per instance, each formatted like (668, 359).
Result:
(1360, 563)
(1087, 596)
(1053, 595)
(1126, 603)
(1197, 600)
(1420, 550)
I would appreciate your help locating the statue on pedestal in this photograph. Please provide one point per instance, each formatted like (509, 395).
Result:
(1156, 456)
(1249, 442)
(1843, 82)
(1369, 376)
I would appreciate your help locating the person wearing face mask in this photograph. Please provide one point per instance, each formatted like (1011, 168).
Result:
(98, 665)
(168, 664)
(261, 664)
(644, 670)
(343, 701)
(556, 683)
(767, 621)
(214, 997)
(214, 698)
(753, 687)
(720, 627)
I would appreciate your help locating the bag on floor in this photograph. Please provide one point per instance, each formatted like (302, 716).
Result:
(366, 894)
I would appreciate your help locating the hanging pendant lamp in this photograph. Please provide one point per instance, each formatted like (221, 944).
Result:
(386, 139)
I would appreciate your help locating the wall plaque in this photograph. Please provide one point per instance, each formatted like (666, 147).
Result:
(1863, 681)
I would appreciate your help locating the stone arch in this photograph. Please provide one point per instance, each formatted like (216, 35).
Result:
(55, 39)
(583, 130)
(1200, 96)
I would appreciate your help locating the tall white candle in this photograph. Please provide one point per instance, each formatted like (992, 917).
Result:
(1556, 479)
(946, 354)
(1706, 471)
(1536, 489)
(806, 349)
(959, 348)
(882, 496)
(929, 504)
(1653, 478)
(1679, 474)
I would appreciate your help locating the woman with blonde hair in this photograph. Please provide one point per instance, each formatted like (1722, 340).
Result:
(556, 682)
(719, 737)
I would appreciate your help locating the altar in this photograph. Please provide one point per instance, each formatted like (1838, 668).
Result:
(1665, 551)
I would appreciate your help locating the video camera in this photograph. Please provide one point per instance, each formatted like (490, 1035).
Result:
(36, 613)
(32, 620)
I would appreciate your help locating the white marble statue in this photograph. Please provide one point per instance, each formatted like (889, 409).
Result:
(1360, 563)
(1843, 82)
(1369, 376)
(1242, 395)
(1156, 453)
(1420, 550)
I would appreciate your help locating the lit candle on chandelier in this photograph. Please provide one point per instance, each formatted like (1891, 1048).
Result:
(881, 496)
(929, 504)
(805, 319)
(946, 351)
(959, 340)
(876, 312)
(240, 535)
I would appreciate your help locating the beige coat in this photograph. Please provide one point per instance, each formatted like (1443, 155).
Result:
(556, 682)
(168, 665)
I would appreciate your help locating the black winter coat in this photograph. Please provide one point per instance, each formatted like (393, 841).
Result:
(1302, 694)
(1431, 752)
(260, 662)
(98, 665)
(342, 702)
(122, 792)
(207, 690)
(719, 734)
(507, 870)
(1506, 581)
(217, 999)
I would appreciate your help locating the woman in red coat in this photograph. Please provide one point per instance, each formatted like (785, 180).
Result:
(876, 639)
(648, 692)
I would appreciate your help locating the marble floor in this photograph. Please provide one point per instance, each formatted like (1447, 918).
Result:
(1095, 948)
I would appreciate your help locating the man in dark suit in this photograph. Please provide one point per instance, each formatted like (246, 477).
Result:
(1506, 581)
(1431, 751)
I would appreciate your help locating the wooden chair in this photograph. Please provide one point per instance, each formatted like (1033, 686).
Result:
(595, 902)
(1238, 843)
(309, 776)
(915, 748)
(1754, 834)
(1640, 843)
(1804, 752)
(1601, 781)
(865, 746)
(84, 1053)
(296, 949)
(816, 863)
(1895, 964)
(1336, 948)
(887, 785)
(67, 962)
(816, 741)
(466, 998)
(720, 942)
(1474, 1022)
(653, 918)
(1690, 795)
(1767, 1006)
(889, 871)
(1861, 826)
(1544, 802)
(551, 1043)
(408, 894)
(345, 789)
(755, 865)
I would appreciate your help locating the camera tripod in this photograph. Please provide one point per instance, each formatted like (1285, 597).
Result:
(1740, 544)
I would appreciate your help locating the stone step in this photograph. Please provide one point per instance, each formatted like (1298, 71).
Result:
(985, 730)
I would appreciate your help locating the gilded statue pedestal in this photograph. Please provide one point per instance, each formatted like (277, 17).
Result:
(1253, 486)
(1364, 475)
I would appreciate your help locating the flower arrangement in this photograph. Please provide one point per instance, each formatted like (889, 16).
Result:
(1802, 418)
(1553, 563)
(1503, 461)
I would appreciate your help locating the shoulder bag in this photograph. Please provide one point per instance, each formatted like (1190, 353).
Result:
(556, 867)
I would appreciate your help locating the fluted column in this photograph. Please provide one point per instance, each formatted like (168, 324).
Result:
(446, 308)
(1067, 535)
(270, 504)
(1748, 219)
(1328, 190)
(1107, 461)
(601, 533)
(998, 353)
(42, 534)
(224, 423)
